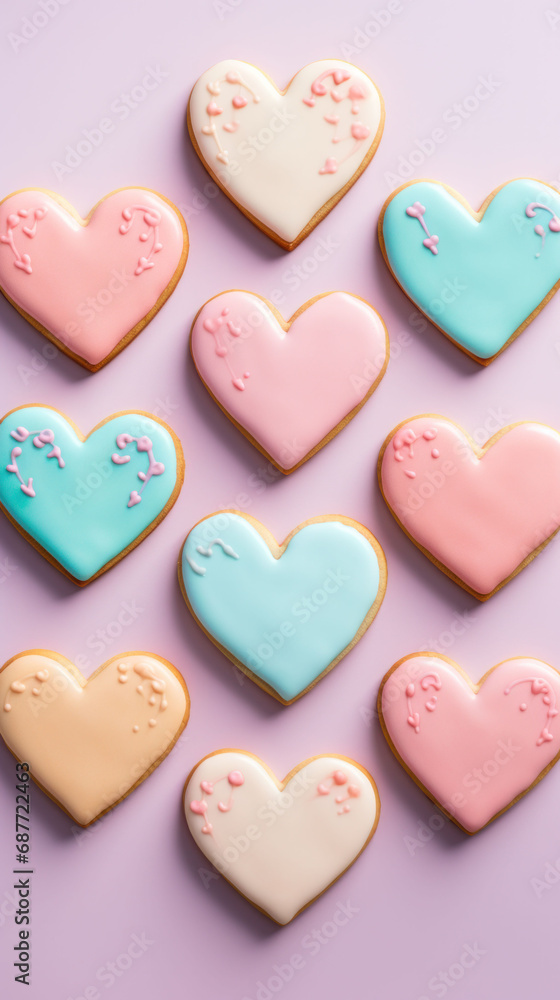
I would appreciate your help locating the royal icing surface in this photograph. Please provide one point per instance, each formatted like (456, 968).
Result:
(285, 619)
(89, 285)
(89, 743)
(479, 516)
(84, 502)
(282, 157)
(280, 846)
(473, 752)
(288, 389)
(477, 281)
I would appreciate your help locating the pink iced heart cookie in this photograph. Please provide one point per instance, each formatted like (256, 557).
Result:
(280, 843)
(90, 285)
(89, 743)
(289, 386)
(285, 158)
(475, 749)
(480, 514)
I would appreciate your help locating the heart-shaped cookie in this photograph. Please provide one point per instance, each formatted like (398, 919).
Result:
(284, 614)
(85, 502)
(289, 386)
(89, 743)
(280, 843)
(90, 285)
(480, 277)
(480, 514)
(475, 749)
(285, 158)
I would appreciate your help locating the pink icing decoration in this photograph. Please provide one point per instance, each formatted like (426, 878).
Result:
(143, 444)
(303, 381)
(356, 93)
(82, 287)
(541, 688)
(334, 780)
(22, 260)
(40, 440)
(151, 219)
(213, 326)
(553, 225)
(478, 751)
(359, 131)
(429, 680)
(238, 101)
(330, 166)
(416, 211)
(200, 807)
(480, 517)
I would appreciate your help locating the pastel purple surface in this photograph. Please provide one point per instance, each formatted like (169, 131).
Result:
(467, 88)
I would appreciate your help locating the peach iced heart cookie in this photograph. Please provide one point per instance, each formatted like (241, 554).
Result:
(90, 285)
(285, 158)
(89, 743)
(475, 749)
(289, 386)
(480, 514)
(280, 843)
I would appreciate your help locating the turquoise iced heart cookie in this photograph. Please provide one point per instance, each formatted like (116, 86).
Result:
(480, 277)
(86, 502)
(284, 614)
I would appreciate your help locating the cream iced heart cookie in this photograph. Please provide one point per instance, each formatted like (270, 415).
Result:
(289, 386)
(90, 285)
(89, 743)
(480, 514)
(480, 277)
(285, 158)
(475, 749)
(284, 614)
(86, 501)
(280, 843)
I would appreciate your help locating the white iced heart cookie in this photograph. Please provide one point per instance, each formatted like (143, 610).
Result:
(280, 844)
(285, 158)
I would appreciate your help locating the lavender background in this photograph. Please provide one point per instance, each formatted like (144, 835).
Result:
(138, 872)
